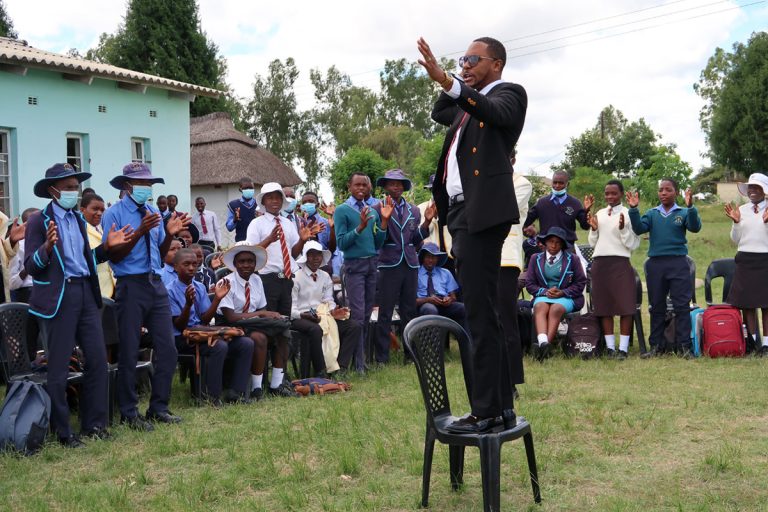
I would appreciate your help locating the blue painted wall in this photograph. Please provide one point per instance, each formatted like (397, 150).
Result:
(39, 132)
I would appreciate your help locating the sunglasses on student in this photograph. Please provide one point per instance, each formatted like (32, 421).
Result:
(472, 60)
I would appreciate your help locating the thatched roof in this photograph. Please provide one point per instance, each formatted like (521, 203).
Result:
(221, 155)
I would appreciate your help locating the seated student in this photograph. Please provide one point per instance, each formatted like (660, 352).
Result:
(189, 236)
(613, 279)
(168, 272)
(667, 270)
(556, 280)
(21, 282)
(246, 299)
(436, 292)
(750, 233)
(203, 274)
(313, 303)
(190, 306)
(92, 207)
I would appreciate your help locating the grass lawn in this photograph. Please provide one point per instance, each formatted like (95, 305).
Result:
(646, 435)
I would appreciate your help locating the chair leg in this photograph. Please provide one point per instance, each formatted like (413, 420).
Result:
(490, 466)
(112, 381)
(639, 328)
(531, 455)
(456, 454)
(429, 449)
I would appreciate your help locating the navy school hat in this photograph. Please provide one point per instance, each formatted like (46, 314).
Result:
(56, 173)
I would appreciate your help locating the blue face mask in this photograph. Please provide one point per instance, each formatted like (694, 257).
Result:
(247, 193)
(559, 193)
(309, 208)
(141, 193)
(291, 205)
(67, 198)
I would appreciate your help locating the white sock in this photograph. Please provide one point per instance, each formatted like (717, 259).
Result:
(765, 341)
(277, 378)
(256, 380)
(610, 341)
(624, 343)
(541, 338)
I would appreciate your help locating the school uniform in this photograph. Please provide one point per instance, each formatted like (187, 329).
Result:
(439, 282)
(310, 289)
(360, 254)
(20, 288)
(750, 235)
(667, 271)
(558, 211)
(106, 279)
(238, 299)
(142, 301)
(562, 271)
(247, 209)
(7, 252)
(239, 351)
(168, 274)
(206, 276)
(66, 297)
(277, 274)
(207, 224)
(398, 268)
(613, 278)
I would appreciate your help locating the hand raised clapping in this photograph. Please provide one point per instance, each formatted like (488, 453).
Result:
(633, 199)
(734, 213)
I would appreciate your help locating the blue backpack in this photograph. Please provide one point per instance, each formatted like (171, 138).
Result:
(24, 417)
(697, 318)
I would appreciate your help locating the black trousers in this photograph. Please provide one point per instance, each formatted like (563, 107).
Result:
(314, 334)
(508, 283)
(238, 350)
(397, 286)
(478, 259)
(669, 275)
(350, 332)
(278, 293)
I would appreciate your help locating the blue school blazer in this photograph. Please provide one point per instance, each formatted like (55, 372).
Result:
(572, 278)
(403, 239)
(47, 270)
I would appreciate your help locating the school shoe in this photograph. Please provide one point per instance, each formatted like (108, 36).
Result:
(233, 397)
(763, 351)
(137, 423)
(284, 389)
(72, 441)
(257, 394)
(473, 425)
(100, 433)
(163, 417)
(654, 352)
(621, 355)
(610, 353)
(543, 351)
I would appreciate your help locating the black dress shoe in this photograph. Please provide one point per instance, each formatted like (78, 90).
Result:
(96, 433)
(763, 351)
(610, 353)
(257, 394)
(137, 423)
(473, 425)
(163, 417)
(233, 397)
(283, 389)
(543, 351)
(621, 355)
(509, 418)
(73, 441)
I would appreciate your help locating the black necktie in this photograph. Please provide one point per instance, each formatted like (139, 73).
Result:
(143, 211)
(360, 205)
(430, 284)
(551, 260)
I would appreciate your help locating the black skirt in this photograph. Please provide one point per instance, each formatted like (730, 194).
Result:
(749, 289)
(613, 286)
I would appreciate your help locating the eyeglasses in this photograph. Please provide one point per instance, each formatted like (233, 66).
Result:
(472, 60)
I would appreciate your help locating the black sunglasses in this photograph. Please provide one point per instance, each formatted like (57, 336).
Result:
(472, 60)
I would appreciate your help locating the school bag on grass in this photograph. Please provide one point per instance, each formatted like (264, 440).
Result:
(723, 334)
(318, 386)
(697, 322)
(24, 417)
(583, 337)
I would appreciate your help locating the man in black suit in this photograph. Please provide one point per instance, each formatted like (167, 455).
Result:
(474, 194)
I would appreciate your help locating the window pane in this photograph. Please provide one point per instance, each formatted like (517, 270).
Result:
(73, 146)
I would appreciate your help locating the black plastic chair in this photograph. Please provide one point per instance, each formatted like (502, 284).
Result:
(724, 268)
(638, 317)
(112, 340)
(209, 258)
(424, 337)
(222, 272)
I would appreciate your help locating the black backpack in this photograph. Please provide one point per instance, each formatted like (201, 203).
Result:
(24, 417)
(583, 338)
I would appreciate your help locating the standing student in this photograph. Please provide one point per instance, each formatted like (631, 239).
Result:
(241, 211)
(559, 209)
(21, 282)
(556, 280)
(310, 208)
(289, 212)
(67, 298)
(667, 270)
(750, 233)
(359, 236)
(140, 296)
(613, 278)
(173, 202)
(162, 206)
(92, 208)
(398, 259)
(207, 224)
(190, 307)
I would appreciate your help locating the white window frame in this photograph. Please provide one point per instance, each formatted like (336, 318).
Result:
(142, 145)
(5, 201)
(79, 157)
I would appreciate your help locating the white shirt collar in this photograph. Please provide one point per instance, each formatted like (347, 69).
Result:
(485, 90)
(557, 257)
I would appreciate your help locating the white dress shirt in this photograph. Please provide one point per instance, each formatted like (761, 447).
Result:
(609, 240)
(260, 228)
(751, 233)
(211, 225)
(235, 299)
(308, 294)
(453, 184)
(15, 268)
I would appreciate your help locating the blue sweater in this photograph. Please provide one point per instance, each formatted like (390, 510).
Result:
(667, 233)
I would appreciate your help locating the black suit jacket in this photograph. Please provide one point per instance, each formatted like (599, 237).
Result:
(485, 145)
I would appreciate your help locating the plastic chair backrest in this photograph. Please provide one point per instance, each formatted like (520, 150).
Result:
(222, 272)
(13, 331)
(425, 338)
(724, 268)
(587, 251)
(209, 258)
(109, 322)
(638, 289)
(343, 286)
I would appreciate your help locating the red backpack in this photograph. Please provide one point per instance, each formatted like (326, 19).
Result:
(723, 334)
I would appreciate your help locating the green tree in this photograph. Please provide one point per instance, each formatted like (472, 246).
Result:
(426, 163)
(164, 38)
(588, 180)
(357, 159)
(734, 87)
(6, 25)
(400, 144)
(666, 163)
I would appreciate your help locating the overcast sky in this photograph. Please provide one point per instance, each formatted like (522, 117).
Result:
(573, 58)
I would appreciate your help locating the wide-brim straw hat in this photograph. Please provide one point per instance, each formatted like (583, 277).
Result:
(229, 257)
